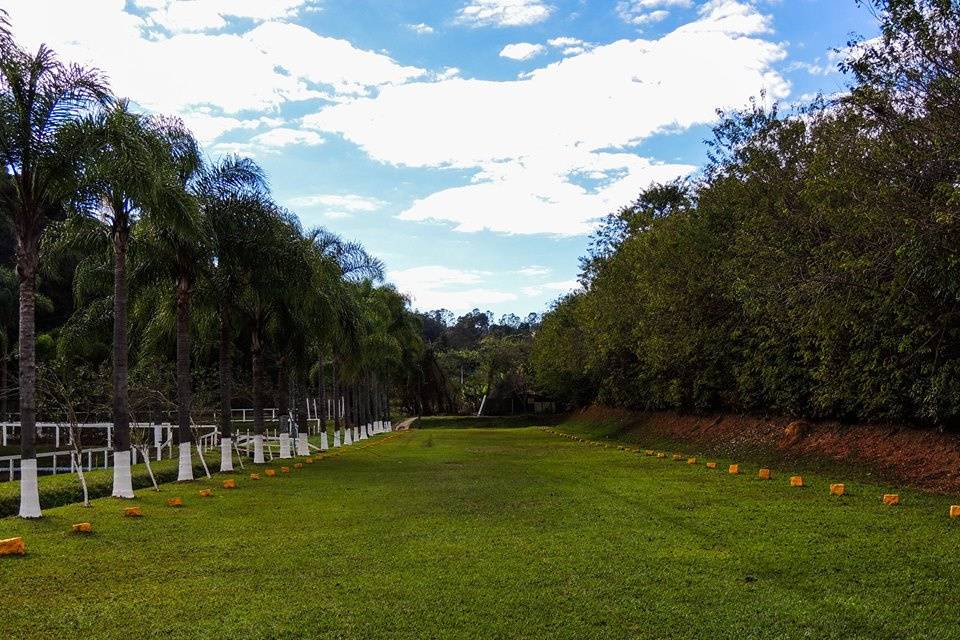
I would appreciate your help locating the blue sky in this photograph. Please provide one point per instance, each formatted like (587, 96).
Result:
(471, 144)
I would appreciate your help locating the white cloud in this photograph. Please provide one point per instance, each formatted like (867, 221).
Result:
(548, 150)
(534, 271)
(209, 78)
(194, 15)
(436, 287)
(641, 12)
(349, 202)
(448, 73)
(284, 137)
(504, 13)
(570, 46)
(522, 51)
(421, 28)
(565, 286)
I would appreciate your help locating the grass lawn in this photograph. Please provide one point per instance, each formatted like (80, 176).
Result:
(492, 533)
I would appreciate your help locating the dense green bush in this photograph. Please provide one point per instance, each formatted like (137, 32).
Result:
(812, 268)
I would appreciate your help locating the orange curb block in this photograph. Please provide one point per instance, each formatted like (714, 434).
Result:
(12, 547)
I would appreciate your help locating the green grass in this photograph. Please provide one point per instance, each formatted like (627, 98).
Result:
(492, 533)
(64, 488)
(483, 422)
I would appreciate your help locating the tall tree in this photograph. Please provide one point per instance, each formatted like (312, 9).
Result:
(39, 96)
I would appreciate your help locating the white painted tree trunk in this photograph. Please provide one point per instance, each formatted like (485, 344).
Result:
(122, 478)
(389, 426)
(323, 441)
(29, 490)
(363, 432)
(258, 450)
(347, 437)
(303, 448)
(285, 446)
(336, 439)
(185, 471)
(226, 454)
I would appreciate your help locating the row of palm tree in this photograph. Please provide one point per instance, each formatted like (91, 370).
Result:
(192, 246)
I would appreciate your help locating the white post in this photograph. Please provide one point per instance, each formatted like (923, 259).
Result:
(323, 441)
(122, 478)
(29, 489)
(5, 437)
(56, 436)
(109, 437)
(185, 468)
(226, 454)
(303, 448)
(258, 449)
(336, 438)
(54, 463)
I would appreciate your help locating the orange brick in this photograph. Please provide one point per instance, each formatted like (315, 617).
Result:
(270, 473)
(12, 547)
(838, 489)
(734, 469)
(955, 511)
(132, 512)
(83, 527)
(254, 476)
(230, 484)
(298, 466)
(175, 502)
(796, 481)
(206, 493)
(711, 465)
(284, 469)
(764, 474)
(891, 499)
(691, 461)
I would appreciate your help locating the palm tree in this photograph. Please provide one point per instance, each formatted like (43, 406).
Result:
(240, 227)
(127, 174)
(39, 96)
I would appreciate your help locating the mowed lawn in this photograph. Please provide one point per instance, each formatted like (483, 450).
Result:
(492, 533)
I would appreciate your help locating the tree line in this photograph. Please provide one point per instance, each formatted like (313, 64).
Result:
(810, 269)
(471, 360)
(156, 272)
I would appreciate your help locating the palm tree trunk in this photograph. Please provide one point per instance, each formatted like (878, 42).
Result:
(335, 387)
(322, 396)
(226, 391)
(27, 259)
(184, 433)
(122, 479)
(4, 380)
(256, 353)
(283, 387)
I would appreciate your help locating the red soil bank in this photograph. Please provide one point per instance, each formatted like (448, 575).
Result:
(924, 458)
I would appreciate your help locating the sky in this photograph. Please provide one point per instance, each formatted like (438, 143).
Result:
(472, 145)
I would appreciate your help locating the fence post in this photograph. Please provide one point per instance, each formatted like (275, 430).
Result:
(56, 436)
(54, 463)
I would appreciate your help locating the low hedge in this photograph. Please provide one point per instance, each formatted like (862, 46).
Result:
(64, 488)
